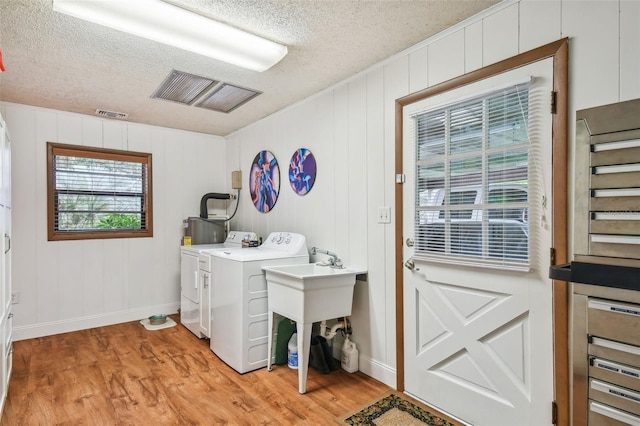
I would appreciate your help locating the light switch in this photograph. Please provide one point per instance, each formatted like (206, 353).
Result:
(384, 214)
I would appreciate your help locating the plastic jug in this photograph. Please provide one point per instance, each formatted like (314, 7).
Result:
(292, 349)
(349, 356)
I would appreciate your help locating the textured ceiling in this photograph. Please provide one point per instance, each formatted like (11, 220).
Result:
(60, 62)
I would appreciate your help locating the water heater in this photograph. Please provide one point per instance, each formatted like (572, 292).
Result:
(204, 231)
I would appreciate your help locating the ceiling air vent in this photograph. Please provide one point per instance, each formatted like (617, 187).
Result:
(183, 87)
(112, 114)
(227, 97)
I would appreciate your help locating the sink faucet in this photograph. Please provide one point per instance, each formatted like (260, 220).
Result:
(334, 260)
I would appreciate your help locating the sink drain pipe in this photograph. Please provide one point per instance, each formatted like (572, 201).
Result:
(342, 325)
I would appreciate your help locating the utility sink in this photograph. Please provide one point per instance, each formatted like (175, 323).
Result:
(306, 294)
(309, 292)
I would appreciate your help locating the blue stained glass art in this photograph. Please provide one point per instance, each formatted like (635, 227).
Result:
(302, 171)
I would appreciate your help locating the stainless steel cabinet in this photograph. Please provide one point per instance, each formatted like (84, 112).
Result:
(606, 355)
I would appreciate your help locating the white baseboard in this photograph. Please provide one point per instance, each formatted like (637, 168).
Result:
(74, 324)
(375, 369)
(372, 368)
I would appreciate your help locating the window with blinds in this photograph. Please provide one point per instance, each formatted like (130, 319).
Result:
(98, 193)
(472, 180)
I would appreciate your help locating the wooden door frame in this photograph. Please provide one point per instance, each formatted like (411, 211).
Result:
(559, 51)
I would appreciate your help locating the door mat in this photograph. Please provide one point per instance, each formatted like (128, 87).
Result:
(394, 408)
(167, 324)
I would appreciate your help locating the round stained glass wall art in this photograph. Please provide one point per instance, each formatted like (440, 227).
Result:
(264, 181)
(302, 171)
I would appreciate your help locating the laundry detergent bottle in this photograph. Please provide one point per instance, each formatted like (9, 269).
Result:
(292, 349)
(349, 356)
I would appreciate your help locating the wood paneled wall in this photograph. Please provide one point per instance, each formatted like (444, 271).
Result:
(350, 129)
(71, 285)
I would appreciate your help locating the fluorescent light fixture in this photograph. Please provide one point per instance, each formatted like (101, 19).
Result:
(169, 24)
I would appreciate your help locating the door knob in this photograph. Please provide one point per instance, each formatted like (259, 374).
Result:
(410, 265)
(409, 242)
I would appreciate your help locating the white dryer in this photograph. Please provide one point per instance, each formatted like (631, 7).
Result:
(239, 305)
(195, 270)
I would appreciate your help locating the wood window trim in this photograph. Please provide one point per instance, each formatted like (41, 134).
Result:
(99, 153)
(559, 51)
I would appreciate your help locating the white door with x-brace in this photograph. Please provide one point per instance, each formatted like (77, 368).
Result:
(478, 338)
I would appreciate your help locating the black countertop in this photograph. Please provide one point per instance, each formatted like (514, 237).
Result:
(624, 277)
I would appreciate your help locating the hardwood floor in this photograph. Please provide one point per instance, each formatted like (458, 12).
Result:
(126, 375)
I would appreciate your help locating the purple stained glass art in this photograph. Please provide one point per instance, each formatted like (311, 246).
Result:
(302, 171)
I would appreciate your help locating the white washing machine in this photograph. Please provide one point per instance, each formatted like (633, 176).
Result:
(195, 271)
(239, 305)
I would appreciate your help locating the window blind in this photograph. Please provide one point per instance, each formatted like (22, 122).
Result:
(98, 191)
(472, 197)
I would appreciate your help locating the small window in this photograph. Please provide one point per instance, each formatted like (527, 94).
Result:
(98, 193)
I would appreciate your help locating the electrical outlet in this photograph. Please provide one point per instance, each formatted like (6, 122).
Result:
(15, 297)
(384, 214)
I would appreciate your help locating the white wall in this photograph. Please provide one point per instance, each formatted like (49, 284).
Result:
(71, 285)
(350, 128)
